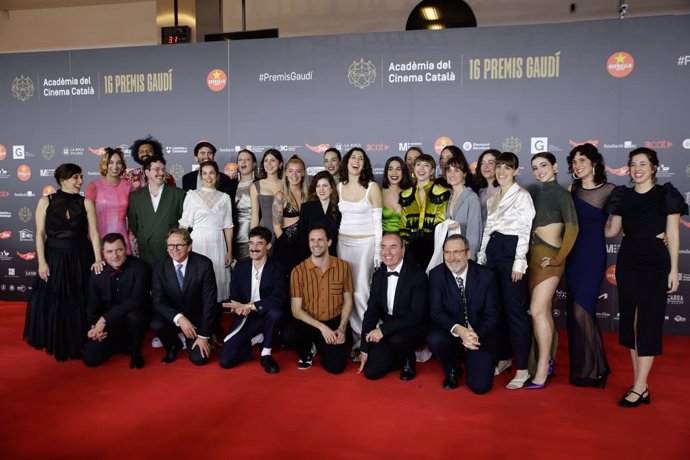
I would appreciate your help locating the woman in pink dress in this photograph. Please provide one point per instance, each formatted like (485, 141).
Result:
(110, 194)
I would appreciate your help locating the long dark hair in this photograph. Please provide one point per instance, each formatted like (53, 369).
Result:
(276, 154)
(405, 181)
(480, 181)
(367, 174)
(333, 203)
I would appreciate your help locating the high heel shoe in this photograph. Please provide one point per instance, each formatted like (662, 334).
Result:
(593, 382)
(551, 365)
(643, 398)
(530, 385)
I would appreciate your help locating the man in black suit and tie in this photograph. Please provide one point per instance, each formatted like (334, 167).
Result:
(259, 296)
(464, 307)
(394, 325)
(205, 151)
(184, 298)
(119, 305)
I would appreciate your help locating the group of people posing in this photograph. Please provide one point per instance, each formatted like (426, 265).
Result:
(466, 263)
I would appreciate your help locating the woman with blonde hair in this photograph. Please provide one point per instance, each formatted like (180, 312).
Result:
(286, 211)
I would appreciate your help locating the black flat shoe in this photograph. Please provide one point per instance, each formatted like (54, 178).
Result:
(269, 364)
(171, 355)
(643, 398)
(137, 361)
(408, 371)
(451, 380)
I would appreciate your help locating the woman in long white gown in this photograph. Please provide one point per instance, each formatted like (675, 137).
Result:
(208, 212)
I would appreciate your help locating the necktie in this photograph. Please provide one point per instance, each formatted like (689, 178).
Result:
(463, 299)
(392, 274)
(180, 276)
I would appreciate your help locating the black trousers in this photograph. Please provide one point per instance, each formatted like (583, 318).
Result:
(500, 255)
(300, 336)
(238, 348)
(388, 354)
(479, 364)
(126, 332)
(167, 333)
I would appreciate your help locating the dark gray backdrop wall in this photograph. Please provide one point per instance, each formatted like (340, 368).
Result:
(618, 84)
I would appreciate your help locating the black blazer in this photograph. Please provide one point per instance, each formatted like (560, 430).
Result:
(311, 213)
(197, 302)
(481, 292)
(135, 291)
(273, 289)
(410, 307)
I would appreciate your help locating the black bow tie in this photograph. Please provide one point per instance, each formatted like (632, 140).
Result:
(392, 274)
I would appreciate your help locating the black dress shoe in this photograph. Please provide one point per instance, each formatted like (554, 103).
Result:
(408, 371)
(137, 361)
(451, 380)
(171, 354)
(269, 364)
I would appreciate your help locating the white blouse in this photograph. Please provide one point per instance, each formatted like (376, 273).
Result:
(513, 216)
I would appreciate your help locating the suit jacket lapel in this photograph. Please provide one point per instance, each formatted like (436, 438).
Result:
(402, 277)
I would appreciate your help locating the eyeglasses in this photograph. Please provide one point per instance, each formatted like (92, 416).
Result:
(176, 247)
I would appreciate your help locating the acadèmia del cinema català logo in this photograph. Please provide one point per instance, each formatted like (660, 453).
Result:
(22, 88)
(361, 73)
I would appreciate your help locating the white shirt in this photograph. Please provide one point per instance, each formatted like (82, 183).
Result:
(392, 285)
(513, 216)
(155, 200)
(256, 282)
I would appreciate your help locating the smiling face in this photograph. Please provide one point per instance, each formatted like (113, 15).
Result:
(145, 151)
(455, 176)
(355, 163)
(294, 173)
(208, 176)
(394, 173)
(331, 162)
(204, 154)
(258, 248)
(115, 166)
(455, 255)
(73, 183)
(641, 169)
(323, 189)
(423, 171)
(271, 164)
(114, 253)
(488, 167)
(318, 243)
(392, 250)
(543, 170)
(505, 175)
(582, 166)
(178, 249)
(156, 173)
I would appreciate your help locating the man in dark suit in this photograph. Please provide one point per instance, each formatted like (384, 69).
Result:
(184, 298)
(205, 151)
(394, 325)
(464, 306)
(259, 296)
(154, 210)
(119, 305)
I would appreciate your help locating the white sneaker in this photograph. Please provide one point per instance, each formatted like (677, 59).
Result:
(156, 343)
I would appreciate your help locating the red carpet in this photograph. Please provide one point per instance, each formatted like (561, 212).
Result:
(64, 410)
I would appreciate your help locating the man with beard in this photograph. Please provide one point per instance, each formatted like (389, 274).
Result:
(321, 303)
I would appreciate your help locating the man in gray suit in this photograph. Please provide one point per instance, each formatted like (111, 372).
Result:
(154, 210)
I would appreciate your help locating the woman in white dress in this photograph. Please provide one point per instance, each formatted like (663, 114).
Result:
(208, 212)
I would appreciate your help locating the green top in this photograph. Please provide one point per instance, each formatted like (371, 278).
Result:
(554, 204)
(391, 220)
(422, 217)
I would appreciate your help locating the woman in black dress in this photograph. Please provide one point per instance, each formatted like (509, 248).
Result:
(55, 314)
(321, 208)
(646, 269)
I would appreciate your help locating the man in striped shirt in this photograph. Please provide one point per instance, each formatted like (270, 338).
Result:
(321, 303)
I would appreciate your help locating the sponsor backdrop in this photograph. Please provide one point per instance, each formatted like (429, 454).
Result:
(616, 84)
